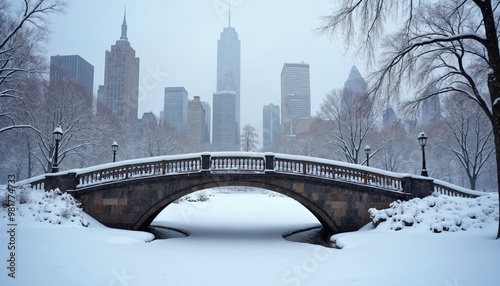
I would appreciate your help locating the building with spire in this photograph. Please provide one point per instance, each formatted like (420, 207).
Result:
(228, 83)
(295, 96)
(121, 79)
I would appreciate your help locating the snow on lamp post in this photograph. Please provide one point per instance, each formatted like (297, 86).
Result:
(114, 147)
(58, 134)
(367, 152)
(422, 140)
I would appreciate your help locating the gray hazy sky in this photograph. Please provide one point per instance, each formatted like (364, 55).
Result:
(176, 42)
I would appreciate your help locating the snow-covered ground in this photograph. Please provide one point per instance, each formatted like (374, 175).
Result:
(236, 239)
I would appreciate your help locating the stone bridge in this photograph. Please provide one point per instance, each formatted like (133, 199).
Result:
(130, 194)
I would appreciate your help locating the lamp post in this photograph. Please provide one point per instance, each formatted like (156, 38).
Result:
(422, 140)
(367, 152)
(58, 133)
(114, 147)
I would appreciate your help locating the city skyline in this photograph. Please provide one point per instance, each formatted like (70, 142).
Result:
(179, 50)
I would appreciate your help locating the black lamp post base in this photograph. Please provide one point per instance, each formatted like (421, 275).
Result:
(424, 173)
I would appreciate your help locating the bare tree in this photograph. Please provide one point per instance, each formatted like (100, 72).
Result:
(467, 136)
(249, 138)
(22, 31)
(452, 45)
(349, 118)
(68, 105)
(158, 139)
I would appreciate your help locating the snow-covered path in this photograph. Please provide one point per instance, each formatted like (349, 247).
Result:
(236, 240)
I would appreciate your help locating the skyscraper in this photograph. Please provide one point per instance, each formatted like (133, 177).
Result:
(121, 79)
(197, 125)
(295, 96)
(431, 108)
(225, 133)
(355, 83)
(270, 124)
(228, 75)
(175, 108)
(73, 68)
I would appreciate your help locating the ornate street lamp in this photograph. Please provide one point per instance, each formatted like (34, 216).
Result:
(114, 147)
(58, 134)
(422, 140)
(367, 152)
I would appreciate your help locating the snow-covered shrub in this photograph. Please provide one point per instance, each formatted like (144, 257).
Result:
(438, 213)
(53, 206)
(23, 194)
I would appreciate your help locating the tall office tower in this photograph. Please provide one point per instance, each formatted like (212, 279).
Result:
(431, 109)
(121, 79)
(208, 118)
(270, 124)
(73, 68)
(175, 108)
(295, 96)
(355, 83)
(228, 67)
(197, 125)
(225, 133)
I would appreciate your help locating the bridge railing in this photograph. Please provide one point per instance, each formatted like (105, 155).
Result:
(337, 172)
(237, 162)
(448, 189)
(138, 170)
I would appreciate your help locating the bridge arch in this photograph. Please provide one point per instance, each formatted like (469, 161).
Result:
(321, 215)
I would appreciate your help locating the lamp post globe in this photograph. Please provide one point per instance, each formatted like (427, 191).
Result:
(422, 140)
(114, 147)
(58, 134)
(367, 152)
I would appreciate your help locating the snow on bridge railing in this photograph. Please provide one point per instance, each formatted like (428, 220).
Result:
(133, 170)
(448, 189)
(238, 162)
(336, 170)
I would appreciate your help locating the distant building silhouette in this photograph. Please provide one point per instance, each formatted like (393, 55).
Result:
(73, 68)
(270, 124)
(355, 83)
(389, 118)
(431, 109)
(175, 108)
(225, 132)
(197, 124)
(149, 119)
(295, 96)
(121, 79)
(228, 80)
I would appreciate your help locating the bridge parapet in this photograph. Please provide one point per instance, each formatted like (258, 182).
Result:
(244, 162)
(338, 171)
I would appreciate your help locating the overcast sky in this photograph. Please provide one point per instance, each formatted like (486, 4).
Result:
(176, 42)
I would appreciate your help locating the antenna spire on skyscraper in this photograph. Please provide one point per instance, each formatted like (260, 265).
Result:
(124, 25)
(229, 20)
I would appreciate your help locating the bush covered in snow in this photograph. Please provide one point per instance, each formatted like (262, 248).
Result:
(54, 206)
(438, 213)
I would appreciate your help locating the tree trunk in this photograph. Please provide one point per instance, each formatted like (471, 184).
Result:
(496, 132)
